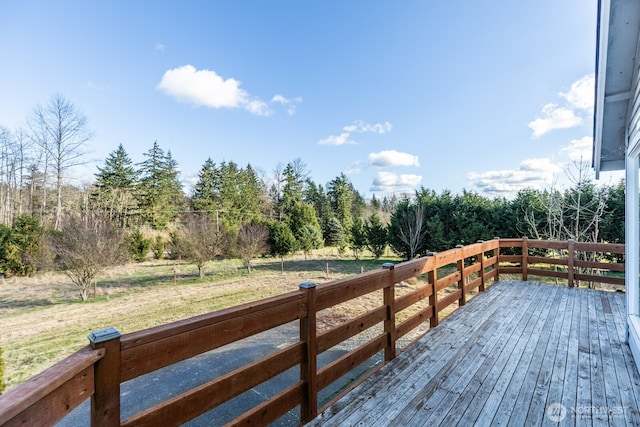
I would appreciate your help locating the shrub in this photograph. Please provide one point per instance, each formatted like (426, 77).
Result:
(138, 245)
(158, 247)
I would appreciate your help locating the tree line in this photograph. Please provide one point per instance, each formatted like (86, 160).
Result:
(133, 211)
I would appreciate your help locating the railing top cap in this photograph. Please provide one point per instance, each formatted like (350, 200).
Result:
(103, 335)
(307, 285)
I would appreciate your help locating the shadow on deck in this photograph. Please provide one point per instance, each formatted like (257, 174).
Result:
(522, 353)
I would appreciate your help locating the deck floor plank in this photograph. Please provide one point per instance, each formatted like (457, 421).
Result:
(508, 371)
(435, 402)
(436, 355)
(539, 373)
(628, 382)
(521, 353)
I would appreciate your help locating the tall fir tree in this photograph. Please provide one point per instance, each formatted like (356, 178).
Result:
(161, 196)
(114, 191)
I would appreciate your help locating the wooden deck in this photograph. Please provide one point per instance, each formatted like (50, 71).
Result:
(520, 354)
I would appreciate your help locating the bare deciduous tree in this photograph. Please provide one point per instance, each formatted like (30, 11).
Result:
(199, 240)
(86, 246)
(61, 131)
(412, 229)
(252, 242)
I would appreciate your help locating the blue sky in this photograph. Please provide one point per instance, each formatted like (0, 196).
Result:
(485, 96)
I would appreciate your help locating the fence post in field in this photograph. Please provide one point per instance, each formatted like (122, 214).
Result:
(389, 298)
(570, 261)
(481, 260)
(308, 367)
(433, 299)
(525, 256)
(105, 402)
(460, 266)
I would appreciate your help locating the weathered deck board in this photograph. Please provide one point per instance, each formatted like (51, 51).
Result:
(522, 353)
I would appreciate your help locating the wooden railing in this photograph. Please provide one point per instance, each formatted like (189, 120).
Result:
(441, 281)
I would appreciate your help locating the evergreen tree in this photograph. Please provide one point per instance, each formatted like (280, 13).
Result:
(315, 195)
(309, 238)
(115, 186)
(204, 191)
(358, 237)
(281, 240)
(340, 192)
(161, 196)
(334, 234)
(376, 234)
(21, 246)
(612, 228)
(291, 191)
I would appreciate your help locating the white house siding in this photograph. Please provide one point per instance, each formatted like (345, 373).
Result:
(632, 220)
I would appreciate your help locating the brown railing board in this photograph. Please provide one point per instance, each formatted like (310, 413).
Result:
(414, 321)
(409, 299)
(216, 332)
(51, 395)
(409, 269)
(269, 411)
(197, 401)
(449, 299)
(447, 281)
(343, 290)
(600, 279)
(350, 329)
(543, 260)
(349, 361)
(548, 273)
(605, 266)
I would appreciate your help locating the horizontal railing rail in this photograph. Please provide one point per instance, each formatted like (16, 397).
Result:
(408, 298)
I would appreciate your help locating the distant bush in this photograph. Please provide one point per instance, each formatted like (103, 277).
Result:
(138, 245)
(158, 247)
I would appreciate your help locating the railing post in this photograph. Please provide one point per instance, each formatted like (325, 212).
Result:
(460, 266)
(433, 299)
(571, 261)
(389, 299)
(481, 287)
(525, 257)
(497, 267)
(308, 367)
(105, 402)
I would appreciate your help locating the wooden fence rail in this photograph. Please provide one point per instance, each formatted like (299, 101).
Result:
(441, 281)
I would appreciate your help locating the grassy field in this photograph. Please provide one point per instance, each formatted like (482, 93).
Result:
(42, 320)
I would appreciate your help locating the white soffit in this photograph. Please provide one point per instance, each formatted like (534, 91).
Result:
(618, 30)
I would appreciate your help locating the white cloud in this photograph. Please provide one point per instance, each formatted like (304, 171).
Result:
(291, 104)
(580, 150)
(341, 139)
(208, 89)
(390, 182)
(579, 103)
(393, 158)
(581, 93)
(161, 47)
(554, 117)
(359, 127)
(531, 173)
